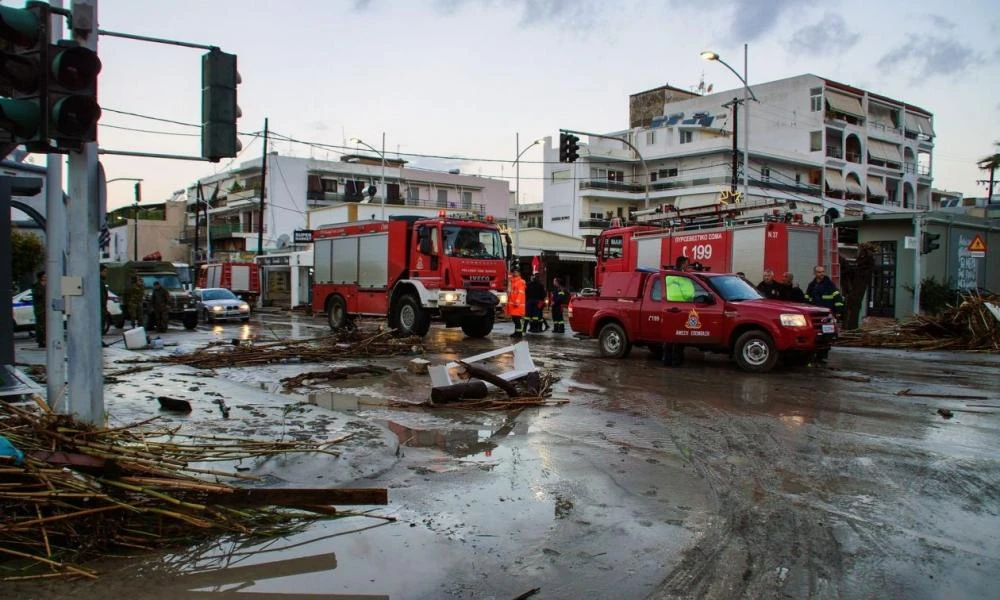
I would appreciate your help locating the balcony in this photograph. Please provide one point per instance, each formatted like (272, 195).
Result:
(612, 186)
(834, 152)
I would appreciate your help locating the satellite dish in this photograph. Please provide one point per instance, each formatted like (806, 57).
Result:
(284, 241)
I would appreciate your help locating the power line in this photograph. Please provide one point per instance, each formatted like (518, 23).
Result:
(162, 120)
(137, 130)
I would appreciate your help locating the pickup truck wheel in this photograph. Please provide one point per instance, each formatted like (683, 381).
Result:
(755, 352)
(478, 326)
(411, 318)
(190, 320)
(613, 341)
(336, 313)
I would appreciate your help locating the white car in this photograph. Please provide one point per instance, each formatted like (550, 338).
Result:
(215, 304)
(24, 313)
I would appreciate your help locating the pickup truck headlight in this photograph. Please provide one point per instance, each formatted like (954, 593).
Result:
(794, 320)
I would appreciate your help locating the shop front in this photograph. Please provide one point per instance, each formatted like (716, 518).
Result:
(286, 278)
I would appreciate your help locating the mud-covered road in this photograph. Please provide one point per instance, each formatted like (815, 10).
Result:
(699, 481)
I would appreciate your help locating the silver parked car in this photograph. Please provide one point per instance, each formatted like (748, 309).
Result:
(216, 304)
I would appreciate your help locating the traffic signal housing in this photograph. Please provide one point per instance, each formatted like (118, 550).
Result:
(569, 148)
(219, 111)
(72, 95)
(23, 49)
(929, 242)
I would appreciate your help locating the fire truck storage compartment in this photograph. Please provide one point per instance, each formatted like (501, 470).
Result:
(748, 257)
(354, 259)
(649, 252)
(803, 246)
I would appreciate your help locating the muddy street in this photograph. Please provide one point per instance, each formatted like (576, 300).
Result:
(652, 482)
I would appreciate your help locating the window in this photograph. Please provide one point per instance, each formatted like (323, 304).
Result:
(612, 247)
(683, 289)
(616, 175)
(598, 173)
(798, 178)
(656, 293)
(687, 137)
(413, 194)
(815, 141)
(650, 138)
(652, 176)
(668, 172)
(560, 176)
(765, 173)
(816, 99)
(466, 199)
(442, 201)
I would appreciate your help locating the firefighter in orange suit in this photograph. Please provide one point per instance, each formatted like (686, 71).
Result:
(516, 302)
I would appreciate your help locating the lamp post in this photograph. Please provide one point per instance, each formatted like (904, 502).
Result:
(747, 96)
(385, 188)
(135, 213)
(517, 189)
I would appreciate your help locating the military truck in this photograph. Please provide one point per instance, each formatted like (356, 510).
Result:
(121, 275)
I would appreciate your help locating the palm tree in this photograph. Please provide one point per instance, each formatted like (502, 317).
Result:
(990, 163)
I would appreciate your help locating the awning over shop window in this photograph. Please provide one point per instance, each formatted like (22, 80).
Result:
(854, 186)
(844, 104)
(835, 181)
(876, 187)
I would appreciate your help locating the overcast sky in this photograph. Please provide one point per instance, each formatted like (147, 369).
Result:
(459, 78)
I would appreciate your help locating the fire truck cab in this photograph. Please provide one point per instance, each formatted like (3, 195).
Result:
(411, 269)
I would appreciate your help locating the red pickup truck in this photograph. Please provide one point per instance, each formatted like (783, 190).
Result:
(711, 311)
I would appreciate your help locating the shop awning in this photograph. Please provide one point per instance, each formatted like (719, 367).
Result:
(854, 186)
(844, 104)
(835, 181)
(876, 187)
(576, 257)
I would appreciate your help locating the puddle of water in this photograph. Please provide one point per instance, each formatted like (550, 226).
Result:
(458, 442)
(332, 400)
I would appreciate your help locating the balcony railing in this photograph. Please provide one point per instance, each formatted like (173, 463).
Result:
(612, 186)
(834, 152)
(595, 223)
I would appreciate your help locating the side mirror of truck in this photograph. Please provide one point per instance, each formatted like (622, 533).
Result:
(704, 299)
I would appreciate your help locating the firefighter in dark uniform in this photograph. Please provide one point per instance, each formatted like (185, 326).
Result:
(823, 292)
(161, 306)
(769, 288)
(135, 295)
(560, 297)
(535, 295)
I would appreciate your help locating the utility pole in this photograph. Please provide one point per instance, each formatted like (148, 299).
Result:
(82, 286)
(55, 264)
(197, 220)
(735, 104)
(263, 188)
(918, 235)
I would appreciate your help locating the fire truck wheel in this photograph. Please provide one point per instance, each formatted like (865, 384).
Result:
(410, 318)
(755, 352)
(336, 313)
(478, 326)
(613, 341)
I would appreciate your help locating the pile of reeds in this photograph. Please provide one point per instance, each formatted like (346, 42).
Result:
(361, 342)
(970, 325)
(82, 491)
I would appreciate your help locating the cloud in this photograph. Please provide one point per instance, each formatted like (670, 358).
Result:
(749, 19)
(927, 54)
(577, 14)
(829, 35)
(319, 126)
(361, 5)
(942, 22)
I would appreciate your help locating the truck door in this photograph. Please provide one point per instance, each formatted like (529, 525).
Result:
(691, 314)
(427, 254)
(611, 256)
(651, 324)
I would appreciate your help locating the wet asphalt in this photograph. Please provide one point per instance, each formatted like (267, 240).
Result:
(652, 482)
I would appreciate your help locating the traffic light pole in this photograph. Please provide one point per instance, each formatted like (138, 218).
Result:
(624, 141)
(84, 348)
(55, 264)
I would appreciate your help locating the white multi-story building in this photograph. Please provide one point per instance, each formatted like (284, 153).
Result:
(814, 142)
(295, 186)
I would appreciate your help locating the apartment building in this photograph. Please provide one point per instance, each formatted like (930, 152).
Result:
(294, 186)
(814, 143)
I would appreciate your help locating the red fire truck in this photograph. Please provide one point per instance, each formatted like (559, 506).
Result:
(410, 269)
(722, 240)
(242, 279)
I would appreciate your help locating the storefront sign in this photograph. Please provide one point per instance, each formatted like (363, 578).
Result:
(273, 261)
(302, 236)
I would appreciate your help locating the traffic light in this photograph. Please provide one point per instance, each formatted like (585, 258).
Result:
(219, 110)
(929, 242)
(51, 89)
(72, 95)
(569, 147)
(23, 46)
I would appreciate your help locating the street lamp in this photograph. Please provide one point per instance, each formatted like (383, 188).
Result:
(135, 212)
(747, 95)
(385, 188)
(517, 189)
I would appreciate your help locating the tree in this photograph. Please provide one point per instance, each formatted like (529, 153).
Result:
(27, 252)
(990, 163)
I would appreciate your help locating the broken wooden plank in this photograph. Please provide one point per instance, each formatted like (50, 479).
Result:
(300, 496)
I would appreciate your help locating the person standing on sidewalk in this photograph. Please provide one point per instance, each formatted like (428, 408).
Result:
(161, 306)
(135, 295)
(560, 297)
(516, 302)
(823, 292)
(38, 306)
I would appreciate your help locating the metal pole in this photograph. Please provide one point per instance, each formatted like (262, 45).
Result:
(55, 265)
(263, 188)
(385, 186)
(135, 232)
(746, 129)
(86, 385)
(736, 152)
(517, 196)
(918, 234)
